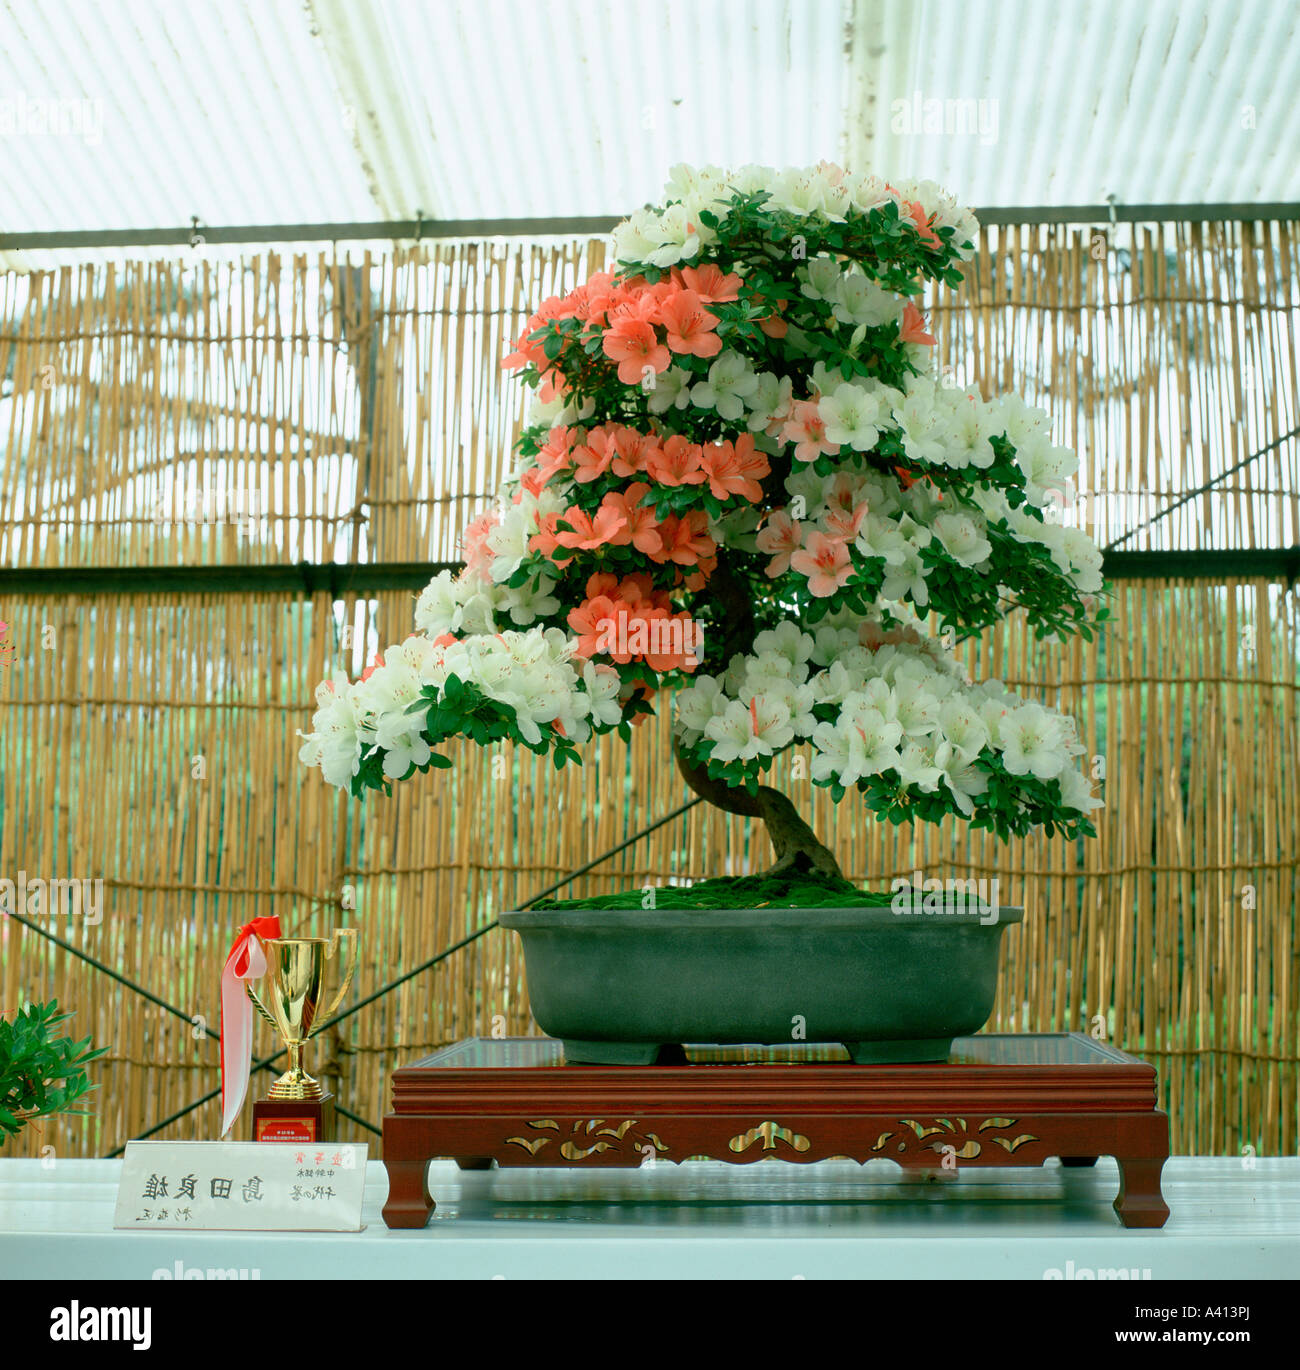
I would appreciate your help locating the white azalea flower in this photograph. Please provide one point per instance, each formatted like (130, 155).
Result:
(730, 382)
(1076, 792)
(731, 733)
(860, 301)
(853, 416)
(1032, 742)
(962, 537)
(671, 390)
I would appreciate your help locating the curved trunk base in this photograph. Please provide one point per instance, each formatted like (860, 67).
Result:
(798, 848)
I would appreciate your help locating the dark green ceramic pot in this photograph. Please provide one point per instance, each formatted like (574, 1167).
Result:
(618, 986)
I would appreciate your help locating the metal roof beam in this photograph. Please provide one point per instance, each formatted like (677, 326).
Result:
(416, 230)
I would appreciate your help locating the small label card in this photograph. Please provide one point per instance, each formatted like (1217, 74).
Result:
(242, 1186)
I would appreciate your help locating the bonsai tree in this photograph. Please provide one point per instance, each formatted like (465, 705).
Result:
(743, 483)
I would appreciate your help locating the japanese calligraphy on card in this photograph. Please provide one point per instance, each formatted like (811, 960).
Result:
(242, 1186)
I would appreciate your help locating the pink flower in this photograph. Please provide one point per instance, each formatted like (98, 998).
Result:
(825, 561)
(779, 537)
(473, 541)
(807, 428)
(845, 524)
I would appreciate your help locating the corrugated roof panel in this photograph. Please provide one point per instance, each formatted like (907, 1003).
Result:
(575, 108)
(224, 110)
(1161, 102)
(145, 112)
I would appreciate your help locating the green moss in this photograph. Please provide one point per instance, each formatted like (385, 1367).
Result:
(795, 890)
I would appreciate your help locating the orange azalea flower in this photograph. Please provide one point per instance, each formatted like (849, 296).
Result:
(530, 353)
(773, 324)
(588, 531)
(373, 667)
(735, 469)
(631, 450)
(602, 583)
(638, 588)
(591, 620)
(553, 385)
(924, 226)
(593, 457)
(686, 540)
(534, 479)
(689, 325)
(641, 528)
(645, 692)
(913, 326)
(825, 561)
(709, 283)
(546, 539)
(633, 344)
(555, 454)
(699, 577)
(677, 462)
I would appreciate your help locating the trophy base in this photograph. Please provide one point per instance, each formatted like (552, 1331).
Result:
(294, 1120)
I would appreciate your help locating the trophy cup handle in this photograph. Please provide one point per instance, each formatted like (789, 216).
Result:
(260, 1006)
(348, 937)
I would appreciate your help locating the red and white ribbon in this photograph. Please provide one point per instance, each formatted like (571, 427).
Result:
(247, 961)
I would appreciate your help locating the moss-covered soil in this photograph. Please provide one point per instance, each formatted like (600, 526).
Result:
(795, 890)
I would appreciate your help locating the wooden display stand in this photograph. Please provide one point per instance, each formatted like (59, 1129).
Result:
(997, 1100)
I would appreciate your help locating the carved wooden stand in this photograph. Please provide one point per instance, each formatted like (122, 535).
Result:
(998, 1100)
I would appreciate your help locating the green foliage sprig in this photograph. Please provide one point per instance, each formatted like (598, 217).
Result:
(42, 1071)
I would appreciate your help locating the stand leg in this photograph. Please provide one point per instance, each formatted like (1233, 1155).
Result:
(475, 1162)
(409, 1201)
(1140, 1203)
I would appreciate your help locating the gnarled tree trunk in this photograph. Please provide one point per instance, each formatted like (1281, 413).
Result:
(798, 848)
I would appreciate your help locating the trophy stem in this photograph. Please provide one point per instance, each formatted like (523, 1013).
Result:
(295, 1083)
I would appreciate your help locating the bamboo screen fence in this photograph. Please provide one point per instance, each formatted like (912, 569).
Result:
(273, 411)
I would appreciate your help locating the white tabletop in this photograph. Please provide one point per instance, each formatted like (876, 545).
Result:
(1232, 1218)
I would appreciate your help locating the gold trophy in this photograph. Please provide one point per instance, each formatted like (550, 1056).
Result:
(297, 1108)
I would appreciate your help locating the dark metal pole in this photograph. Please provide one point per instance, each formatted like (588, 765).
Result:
(417, 230)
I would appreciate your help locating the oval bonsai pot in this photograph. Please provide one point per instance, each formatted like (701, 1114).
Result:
(619, 986)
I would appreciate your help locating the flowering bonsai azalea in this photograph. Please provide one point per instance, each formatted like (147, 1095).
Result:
(743, 484)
